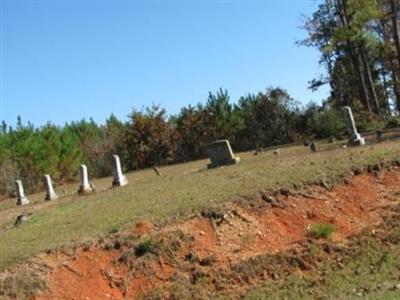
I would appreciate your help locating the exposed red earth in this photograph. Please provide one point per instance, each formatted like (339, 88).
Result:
(244, 230)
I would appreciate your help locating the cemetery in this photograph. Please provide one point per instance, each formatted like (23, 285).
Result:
(201, 150)
(297, 188)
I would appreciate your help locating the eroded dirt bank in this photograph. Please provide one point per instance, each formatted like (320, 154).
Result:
(218, 244)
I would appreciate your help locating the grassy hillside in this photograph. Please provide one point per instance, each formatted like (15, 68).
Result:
(366, 268)
(181, 189)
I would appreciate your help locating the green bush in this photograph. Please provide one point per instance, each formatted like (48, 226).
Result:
(321, 231)
(393, 122)
(366, 121)
(144, 248)
(326, 123)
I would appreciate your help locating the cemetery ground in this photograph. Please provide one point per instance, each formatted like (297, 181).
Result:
(297, 225)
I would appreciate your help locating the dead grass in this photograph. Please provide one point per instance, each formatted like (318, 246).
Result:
(182, 189)
(21, 286)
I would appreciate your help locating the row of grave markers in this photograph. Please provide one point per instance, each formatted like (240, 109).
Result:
(84, 187)
(220, 153)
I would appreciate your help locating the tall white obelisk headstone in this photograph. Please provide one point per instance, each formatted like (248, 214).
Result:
(119, 178)
(84, 186)
(21, 198)
(50, 193)
(355, 139)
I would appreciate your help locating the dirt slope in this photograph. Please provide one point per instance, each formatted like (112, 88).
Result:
(217, 241)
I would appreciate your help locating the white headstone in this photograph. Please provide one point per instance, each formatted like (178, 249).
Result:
(119, 178)
(355, 138)
(84, 186)
(50, 193)
(21, 198)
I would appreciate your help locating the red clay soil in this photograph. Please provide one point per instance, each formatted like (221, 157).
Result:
(84, 277)
(245, 232)
(142, 228)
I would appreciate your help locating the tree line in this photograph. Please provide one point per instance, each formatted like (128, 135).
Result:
(359, 44)
(150, 137)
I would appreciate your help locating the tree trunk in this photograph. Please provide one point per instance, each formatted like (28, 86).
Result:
(396, 86)
(359, 79)
(390, 65)
(346, 93)
(386, 89)
(371, 84)
(396, 35)
(362, 86)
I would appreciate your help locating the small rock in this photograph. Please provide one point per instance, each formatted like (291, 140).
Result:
(201, 233)
(311, 215)
(275, 276)
(271, 200)
(286, 192)
(22, 218)
(357, 171)
(208, 261)
(325, 184)
(265, 275)
(377, 167)
(191, 257)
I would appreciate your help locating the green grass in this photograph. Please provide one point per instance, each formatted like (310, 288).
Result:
(181, 190)
(368, 268)
(321, 231)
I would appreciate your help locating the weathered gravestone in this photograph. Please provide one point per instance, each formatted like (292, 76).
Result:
(84, 186)
(21, 198)
(157, 171)
(259, 151)
(50, 193)
(313, 147)
(379, 135)
(221, 154)
(119, 178)
(355, 139)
